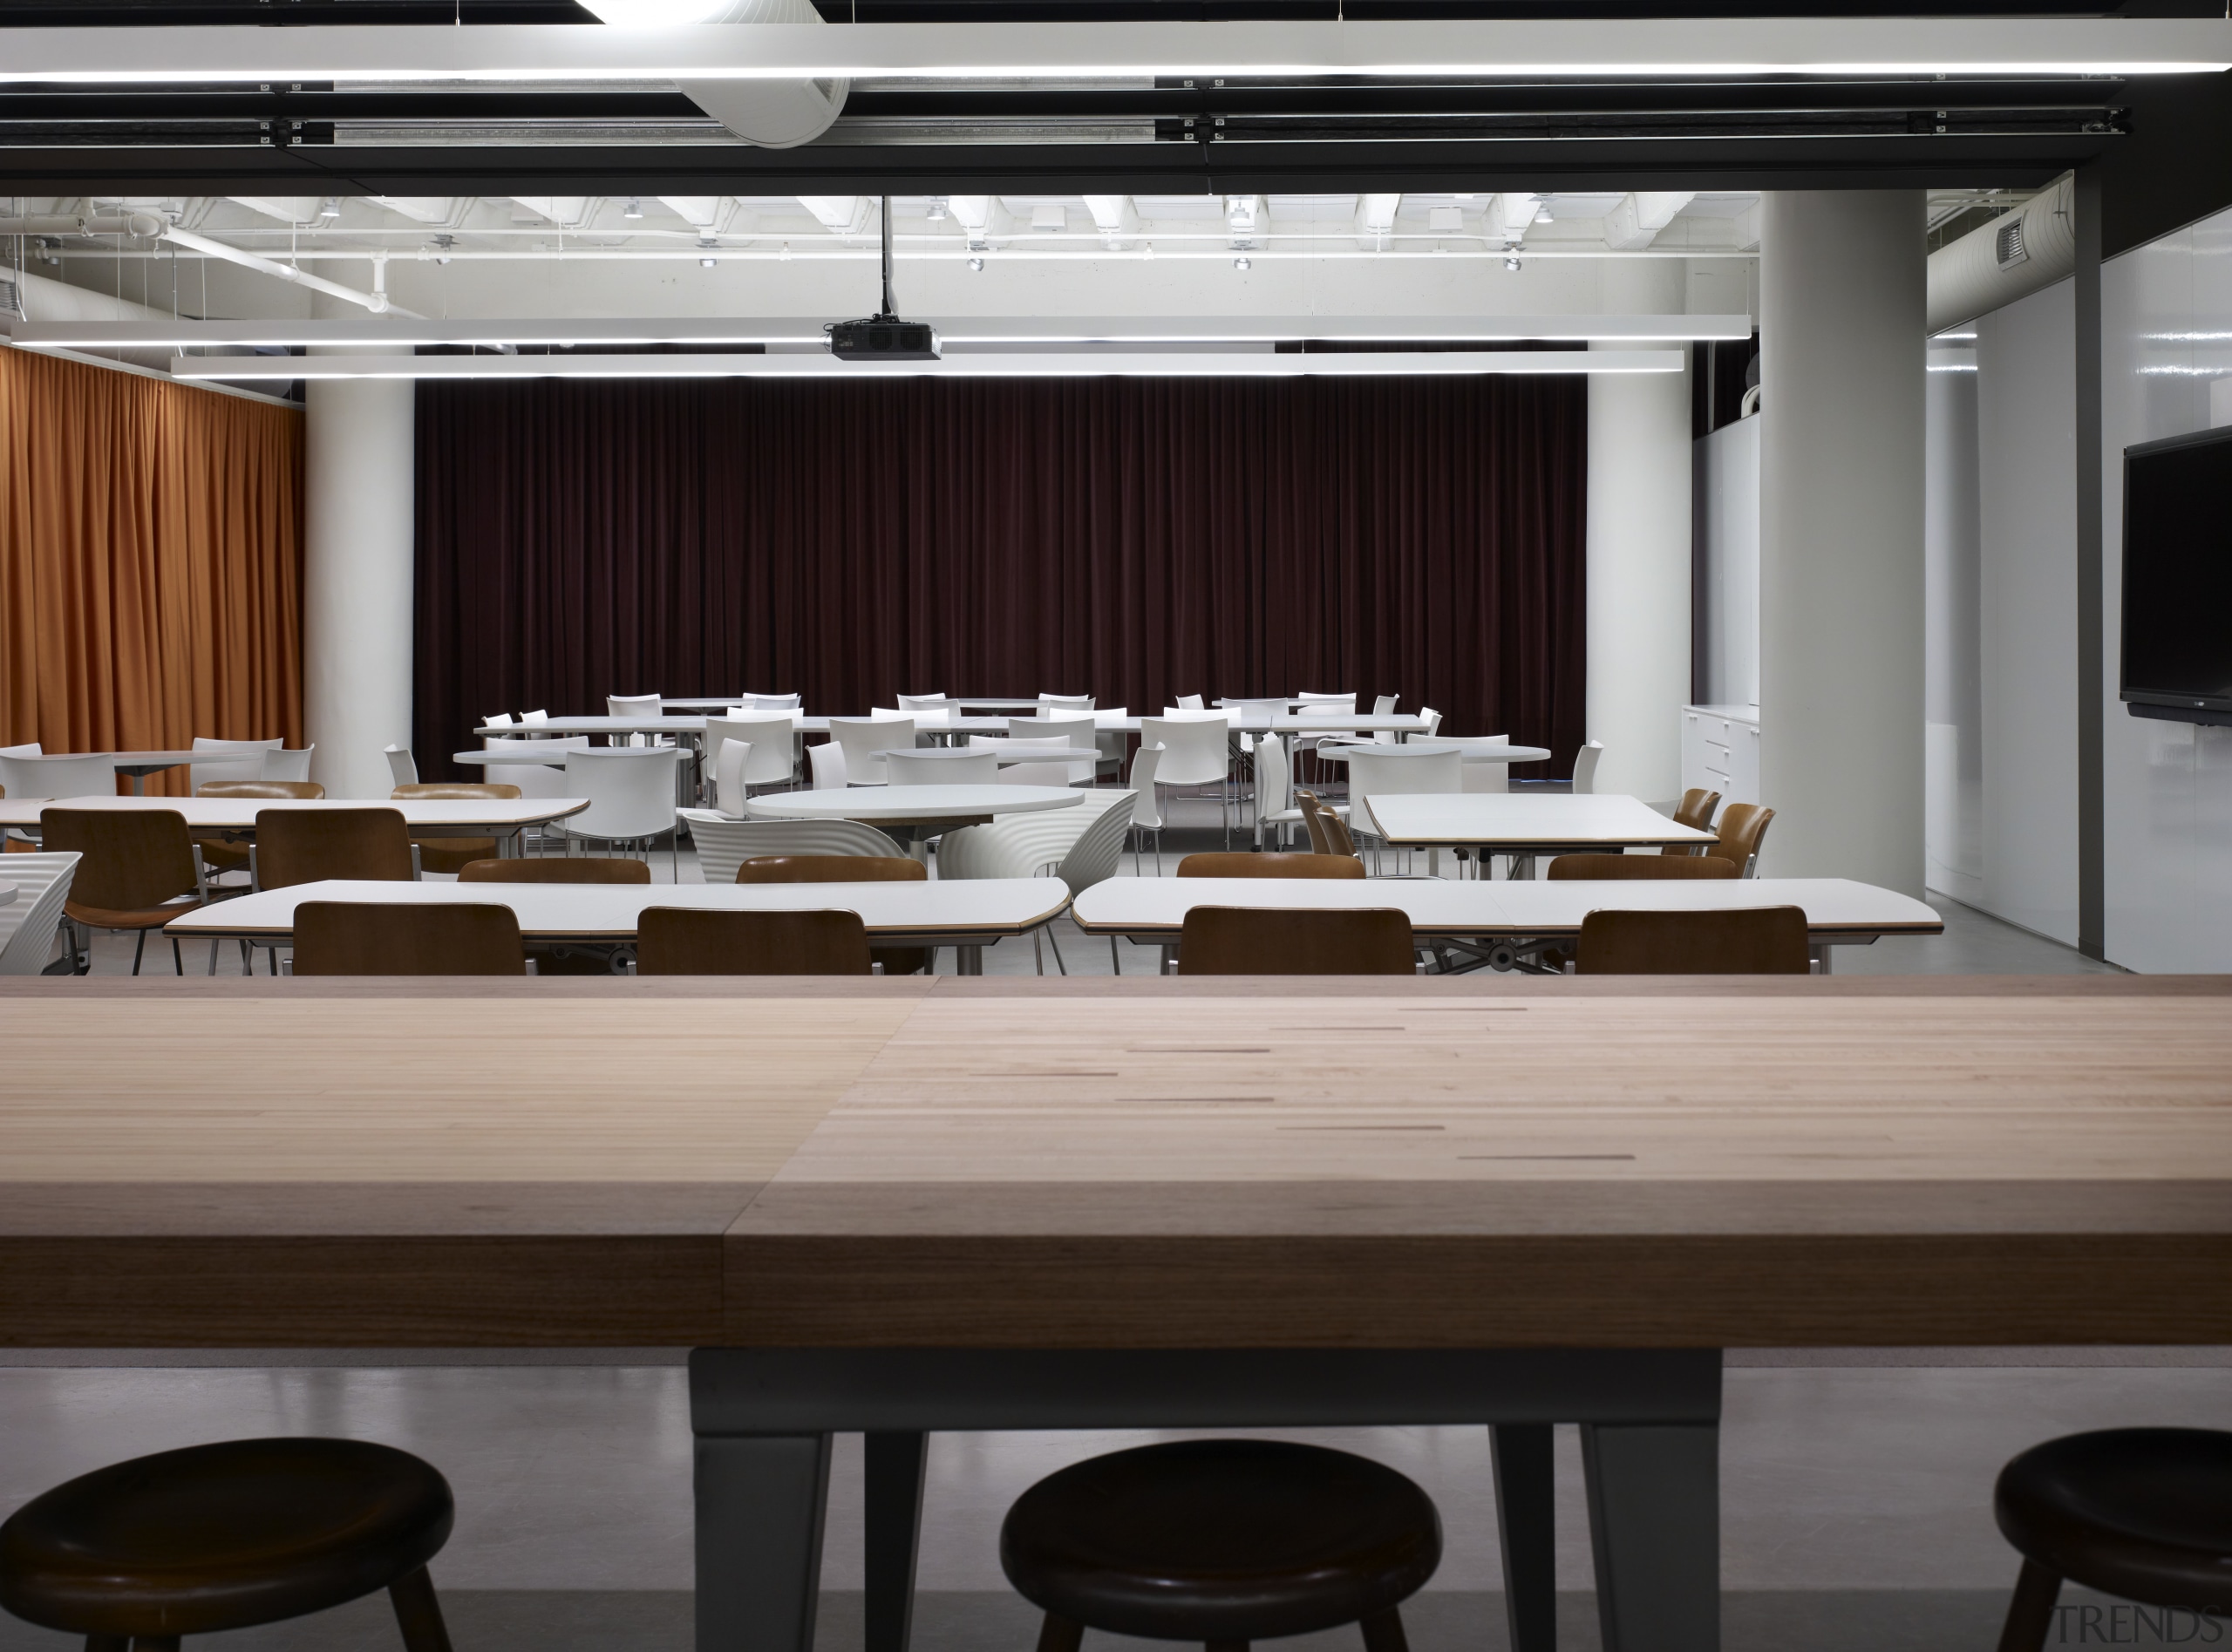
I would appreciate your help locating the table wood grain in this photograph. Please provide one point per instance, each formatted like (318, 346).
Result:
(1472, 1162)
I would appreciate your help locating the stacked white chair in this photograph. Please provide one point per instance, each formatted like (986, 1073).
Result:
(1082, 846)
(1195, 752)
(1397, 771)
(28, 922)
(630, 790)
(228, 760)
(724, 844)
(863, 738)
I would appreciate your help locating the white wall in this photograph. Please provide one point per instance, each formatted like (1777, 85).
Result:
(1728, 471)
(2168, 786)
(2026, 496)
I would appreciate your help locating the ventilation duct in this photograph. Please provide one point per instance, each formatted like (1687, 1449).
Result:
(2010, 258)
(775, 114)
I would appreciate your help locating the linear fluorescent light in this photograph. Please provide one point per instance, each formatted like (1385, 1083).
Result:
(1203, 364)
(956, 329)
(1437, 50)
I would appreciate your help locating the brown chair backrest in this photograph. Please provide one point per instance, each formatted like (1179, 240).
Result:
(1763, 941)
(1329, 833)
(1599, 867)
(425, 790)
(134, 857)
(1695, 808)
(369, 938)
(259, 789)
(683, 940)
(1271, 866)
(1743, 827)
(302, 846)
(1257, 940)
(831, 868)
(558, 868)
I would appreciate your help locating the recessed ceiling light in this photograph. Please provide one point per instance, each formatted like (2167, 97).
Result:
(976, 264)
(707, 264)
(1511, 263)
(1240, 262)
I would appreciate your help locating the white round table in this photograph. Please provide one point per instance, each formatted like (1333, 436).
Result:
(1473, 751)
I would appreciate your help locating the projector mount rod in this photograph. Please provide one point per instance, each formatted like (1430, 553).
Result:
(890, 305)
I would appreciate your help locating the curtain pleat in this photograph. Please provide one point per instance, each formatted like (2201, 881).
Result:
(1133, 539)
(150, 547)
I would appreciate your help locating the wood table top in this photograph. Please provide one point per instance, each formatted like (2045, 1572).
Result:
(1465, 1162)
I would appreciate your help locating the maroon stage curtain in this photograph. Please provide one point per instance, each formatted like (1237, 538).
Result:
(1133, 539)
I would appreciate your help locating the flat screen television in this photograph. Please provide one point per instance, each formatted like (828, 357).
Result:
(2177, 630)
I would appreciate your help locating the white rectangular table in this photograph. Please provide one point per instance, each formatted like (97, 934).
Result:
(1495, 919)
(933, 722)
(422, 817)
(965, 915)
(1519, 824)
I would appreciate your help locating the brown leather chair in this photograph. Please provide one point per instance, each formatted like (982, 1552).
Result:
(137, 862)
(558, 868)
(1269, 866)
(1743, 828)
(1329, 833)
(1695, 810)
(229, 1536)
(451, 855)
(374, 938)
(226, 852)
(1258, 941)
(847, 868)
(1763, 941)
(1606, 867)
(303, 846)
(682, 941)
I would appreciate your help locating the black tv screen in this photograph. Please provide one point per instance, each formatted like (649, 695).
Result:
(2177, 630)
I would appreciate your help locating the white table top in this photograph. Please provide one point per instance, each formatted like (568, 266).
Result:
(1834, 908)
(433, 815)
(1006, 752)
(148, 761)
(1507, 821)
(1473, 750)
(987, 907)
(1106, 721)
(911, 803)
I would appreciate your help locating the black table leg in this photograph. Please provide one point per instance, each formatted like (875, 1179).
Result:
(1527, 1518)
(895, 1519)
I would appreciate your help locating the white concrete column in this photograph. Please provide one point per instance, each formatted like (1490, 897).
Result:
(1842, 611)
(356, 579)
(1639, 533)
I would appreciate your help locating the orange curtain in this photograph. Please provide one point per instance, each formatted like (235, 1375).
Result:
(151, 562)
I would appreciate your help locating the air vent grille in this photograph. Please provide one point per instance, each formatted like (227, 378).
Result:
(2007, 243)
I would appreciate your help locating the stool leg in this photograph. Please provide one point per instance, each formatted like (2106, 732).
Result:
(2031, 1614)
(153, 1643)
(1383, 1632)
(1060, 1635)
(1524, 1456)
(107, 1644)
(417, 1614)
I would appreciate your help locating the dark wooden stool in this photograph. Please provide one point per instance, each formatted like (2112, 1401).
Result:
(226, 1536)
(1220, 1541)
(2141, 1513)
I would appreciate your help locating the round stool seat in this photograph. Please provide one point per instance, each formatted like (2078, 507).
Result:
(221, 1537)
(1221, 1541)
(2145, 1513)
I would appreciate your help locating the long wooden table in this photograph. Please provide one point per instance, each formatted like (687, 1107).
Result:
(895, 1206)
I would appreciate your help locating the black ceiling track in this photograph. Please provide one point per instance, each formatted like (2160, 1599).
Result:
(82, 14)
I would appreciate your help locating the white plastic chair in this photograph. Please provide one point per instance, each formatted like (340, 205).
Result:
(1195, 752)
(1385, 706)
(1397, 771)
(772, 701)
(1432, 720)
(1028, 773)
(1146, 807)
(28, 922)
(1274, 804)
(228, 760)
(729, 792)
(635, 705)
(528, 719)
(284, 764)
(863, 737)
(32, 778)
(724, 844)
(536, 777)
(630, 790)
(828, 764)
(923, 702)
(400, 763)
(1086, 843)
(1484, 776)
(1191, 703)
(1584, 768)
(1064, 702)
(769, 735)
(497, 720)
(1077, 731)
(947, 765)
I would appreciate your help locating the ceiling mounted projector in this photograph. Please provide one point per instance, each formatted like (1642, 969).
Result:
(883, 337)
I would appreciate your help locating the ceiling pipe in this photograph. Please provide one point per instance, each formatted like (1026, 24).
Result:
(2016, 254)
(147, 226)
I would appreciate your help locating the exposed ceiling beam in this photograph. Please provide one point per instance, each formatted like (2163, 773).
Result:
(1438, 50)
